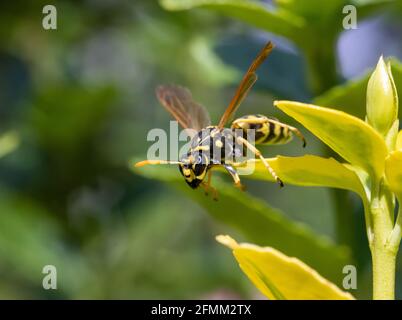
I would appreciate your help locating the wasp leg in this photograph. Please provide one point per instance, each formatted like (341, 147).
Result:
(297, 133)
(253, 120)
(264, 161)
(207, 186)
(147, 162)
(235, 176)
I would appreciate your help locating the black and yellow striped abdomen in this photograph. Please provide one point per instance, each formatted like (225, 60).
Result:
(267, 130)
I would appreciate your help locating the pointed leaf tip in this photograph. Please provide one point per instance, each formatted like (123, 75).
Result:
(227, 241)
(281, 277)
(352, 138)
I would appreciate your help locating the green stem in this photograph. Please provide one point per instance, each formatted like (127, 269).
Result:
(383, 254)
(322, 67)
(383, 273)
(383, 237)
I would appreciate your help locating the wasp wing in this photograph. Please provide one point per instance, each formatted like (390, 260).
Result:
(180, 104)
(245, 85)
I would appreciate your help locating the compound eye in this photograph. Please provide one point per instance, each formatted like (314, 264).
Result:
(198, 169)
(199, 160)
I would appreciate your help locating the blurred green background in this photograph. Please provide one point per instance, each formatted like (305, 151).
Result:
(77, 104)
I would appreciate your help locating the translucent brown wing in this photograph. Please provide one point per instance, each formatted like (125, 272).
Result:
(245, 85)
(179, 102)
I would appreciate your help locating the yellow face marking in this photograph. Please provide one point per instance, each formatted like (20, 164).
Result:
(219, 143)
(214, 132)
(188, 174)
(201, 148)
(287, 135)
(277, 130)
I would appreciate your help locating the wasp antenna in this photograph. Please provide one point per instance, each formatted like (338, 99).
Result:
(140, 164)
(147, 162)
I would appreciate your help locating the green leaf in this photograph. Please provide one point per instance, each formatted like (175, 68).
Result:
(254, 13)
(366, 8)
(239, 51)
(311, 170)
(369, 2)
(351, 96)
(364, 3)
(281, 277)
(209, 65)
(350, 137)
(260, 223)
(310, 9)
(78, 111)
(313, 9)
(308, 170)
(9, 141)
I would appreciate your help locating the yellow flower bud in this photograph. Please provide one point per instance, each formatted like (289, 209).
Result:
(382, 98)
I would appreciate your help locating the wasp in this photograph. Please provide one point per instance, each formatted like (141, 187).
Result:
(217, 145)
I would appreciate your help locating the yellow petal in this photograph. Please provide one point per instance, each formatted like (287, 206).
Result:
(399, 141)
(352, 138)
(281, 277)
(393, 171)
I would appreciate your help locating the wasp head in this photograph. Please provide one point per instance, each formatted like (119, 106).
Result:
(193, 166)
